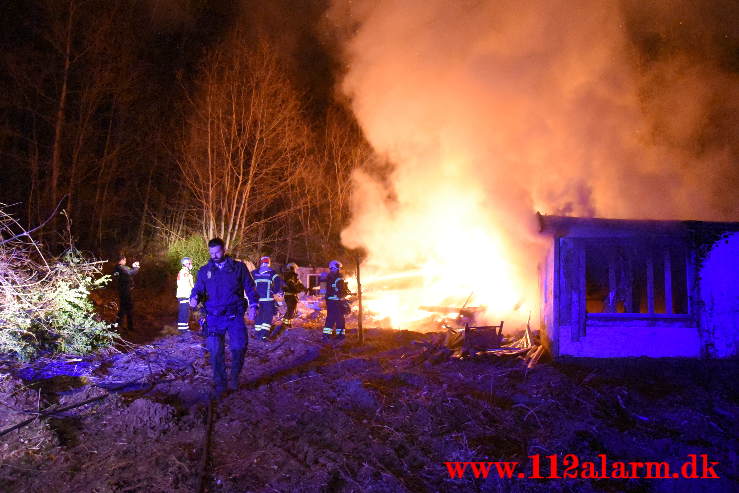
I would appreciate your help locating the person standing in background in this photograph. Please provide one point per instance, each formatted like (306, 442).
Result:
(184, 289)
(268, 283)
(336, 302)
(293, 287)
(125, 275)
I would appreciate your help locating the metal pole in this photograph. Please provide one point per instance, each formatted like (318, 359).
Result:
(359, 294)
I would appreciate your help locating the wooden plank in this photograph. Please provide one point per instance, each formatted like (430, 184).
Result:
(578, 317)
(556, 274)
(565, 288)
(628, 270)
(612, 287)
(690, 281)
(574, 277)
(668, 282)
(359, 294)
(582, 291)
(650, 285)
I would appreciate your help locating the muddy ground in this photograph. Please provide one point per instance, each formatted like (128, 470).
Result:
(380, 417)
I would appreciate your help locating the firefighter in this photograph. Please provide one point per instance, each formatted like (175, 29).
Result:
(293, 287)
(336, 303)
(184, 289)
(268, 283)
(221, 285)
(125, 275)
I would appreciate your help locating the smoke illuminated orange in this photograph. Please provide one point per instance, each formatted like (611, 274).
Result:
(493, 110)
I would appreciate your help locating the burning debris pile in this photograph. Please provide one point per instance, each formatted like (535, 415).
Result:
(481, 341)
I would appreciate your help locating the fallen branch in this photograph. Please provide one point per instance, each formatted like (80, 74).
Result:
(52, 410)
(535, 356)
(49, 412)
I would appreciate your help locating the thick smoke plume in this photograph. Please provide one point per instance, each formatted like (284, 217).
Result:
(492, 110)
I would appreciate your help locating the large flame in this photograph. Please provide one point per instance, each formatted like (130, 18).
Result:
(492, 110)
(438, 244)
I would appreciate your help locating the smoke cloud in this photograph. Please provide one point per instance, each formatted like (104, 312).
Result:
(492, 110)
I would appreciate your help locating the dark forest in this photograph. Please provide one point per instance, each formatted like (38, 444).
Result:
(134, 115)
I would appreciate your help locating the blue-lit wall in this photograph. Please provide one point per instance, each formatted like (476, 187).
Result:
(711, 327)
(719, 298)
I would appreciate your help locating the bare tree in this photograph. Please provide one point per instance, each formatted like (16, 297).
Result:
(74, 90)
(323, 191)
(245, 144)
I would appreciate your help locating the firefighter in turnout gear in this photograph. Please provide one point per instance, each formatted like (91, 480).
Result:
(268, 283)
(184, 289)
(336, 302)
(293, 287)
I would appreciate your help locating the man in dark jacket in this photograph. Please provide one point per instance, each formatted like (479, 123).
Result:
(268, 284)
(125, 275)
(221, 285)
(293, 287)
(336, 302)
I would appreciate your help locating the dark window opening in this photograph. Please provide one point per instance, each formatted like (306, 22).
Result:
(629, 276)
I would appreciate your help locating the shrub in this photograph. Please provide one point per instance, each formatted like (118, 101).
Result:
(194, 246)
(44, 303)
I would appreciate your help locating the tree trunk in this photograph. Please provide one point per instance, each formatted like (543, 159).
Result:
(145, 209)
(56, 154)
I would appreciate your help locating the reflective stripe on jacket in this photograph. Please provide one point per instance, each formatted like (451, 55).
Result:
(267, 284)
(335, 286)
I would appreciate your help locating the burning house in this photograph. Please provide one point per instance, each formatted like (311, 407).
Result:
(613, 288)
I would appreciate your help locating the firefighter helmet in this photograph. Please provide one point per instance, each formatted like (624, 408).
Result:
(292, 266)
(265, 260)
(335, 265)
(185, 260)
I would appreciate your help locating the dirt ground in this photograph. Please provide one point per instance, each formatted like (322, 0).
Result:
(311, 416)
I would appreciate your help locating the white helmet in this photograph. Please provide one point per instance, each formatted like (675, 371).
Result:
(335, 265)
(185, 260)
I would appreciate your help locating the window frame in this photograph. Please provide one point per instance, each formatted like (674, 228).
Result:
(654, 245)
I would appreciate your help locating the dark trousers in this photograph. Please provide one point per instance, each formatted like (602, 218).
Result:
(218, 327)
(125, 310)
(292, 303)
(183, 315)
(334, 317)
(263, 322)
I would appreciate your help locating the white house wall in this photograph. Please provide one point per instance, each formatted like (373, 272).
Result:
(626, 341)
(546, 285)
